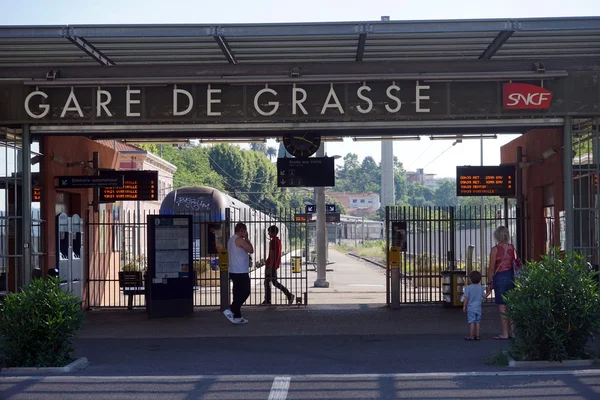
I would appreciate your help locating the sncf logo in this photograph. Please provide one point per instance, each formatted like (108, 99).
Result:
(520, 96)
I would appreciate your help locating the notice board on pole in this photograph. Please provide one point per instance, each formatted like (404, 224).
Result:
(170, 266)
(486, 180)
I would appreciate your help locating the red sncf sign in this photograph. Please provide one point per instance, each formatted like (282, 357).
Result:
(521, 96)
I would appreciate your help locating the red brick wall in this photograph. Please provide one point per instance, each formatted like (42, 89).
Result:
(72, 149)
(535, 177)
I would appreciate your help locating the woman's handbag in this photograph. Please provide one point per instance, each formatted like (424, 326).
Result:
(517, 266)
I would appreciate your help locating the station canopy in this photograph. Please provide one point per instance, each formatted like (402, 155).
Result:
(264, 54)
(340, 42)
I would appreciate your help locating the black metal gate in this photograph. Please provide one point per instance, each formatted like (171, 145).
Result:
(117, 254)
(435, 239)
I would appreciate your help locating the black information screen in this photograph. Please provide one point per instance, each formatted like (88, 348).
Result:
(137, 185)
(496, 180)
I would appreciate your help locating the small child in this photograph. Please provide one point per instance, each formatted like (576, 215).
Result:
(473, 297)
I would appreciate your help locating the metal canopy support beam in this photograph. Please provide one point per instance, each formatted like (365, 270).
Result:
(89, 49)
(262, 79)
(499, 68)
(360, 50)
(222, 42)
(496, 44)
(342, 129)
(31, 32)
(320, 28)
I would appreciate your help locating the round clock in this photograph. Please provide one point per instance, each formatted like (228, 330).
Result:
(302, 144)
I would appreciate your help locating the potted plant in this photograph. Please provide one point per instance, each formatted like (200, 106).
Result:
(38, 325)
(555, 308)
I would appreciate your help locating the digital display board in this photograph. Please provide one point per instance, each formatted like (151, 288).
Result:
(496, 180)
(303, 217)
(36, 188)
(137, 185)
(36, 193)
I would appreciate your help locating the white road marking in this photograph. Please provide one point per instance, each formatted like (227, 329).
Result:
(153, 378)
(280, 387)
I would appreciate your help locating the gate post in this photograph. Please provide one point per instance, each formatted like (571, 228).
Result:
(76, 279)
(25, 275)
(452, 251)
(224, 278)
(394, 258)
(567, 160)
(224, 265)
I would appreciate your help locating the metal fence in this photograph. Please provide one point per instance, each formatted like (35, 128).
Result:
(12, 258)
(586, 207)
(117, 243)
(438, 239)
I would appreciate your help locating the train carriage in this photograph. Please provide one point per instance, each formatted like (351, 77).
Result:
(214, 217)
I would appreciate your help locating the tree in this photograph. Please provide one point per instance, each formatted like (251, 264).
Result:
(259, 147)
(271, 152)
(400, 184)
(445, 194)
(228, 161)
(193, 166)
(419, 195)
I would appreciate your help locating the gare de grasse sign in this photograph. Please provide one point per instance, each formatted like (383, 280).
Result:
(282, 102)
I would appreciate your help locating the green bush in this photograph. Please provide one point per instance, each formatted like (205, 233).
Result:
(134, 264)
(555, 307)
(38, 325)
(201, 266)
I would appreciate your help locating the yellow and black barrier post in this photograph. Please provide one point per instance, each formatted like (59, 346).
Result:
(224, 278)
(394, 257)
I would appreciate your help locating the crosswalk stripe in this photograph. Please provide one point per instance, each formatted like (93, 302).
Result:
(280, 387)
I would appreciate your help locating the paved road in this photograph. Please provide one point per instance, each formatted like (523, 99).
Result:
(564, 385)
(344, 345)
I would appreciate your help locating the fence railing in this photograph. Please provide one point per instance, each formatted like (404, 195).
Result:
(117, 242)
(438, 239)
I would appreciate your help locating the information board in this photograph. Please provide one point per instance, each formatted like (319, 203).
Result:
(170, 268)
(399, 234)
(302, 217)
(332, 217)
(305, 172)
(137, 185)
(171, 248)
(36, 187)
(84, 182)
(496, 180)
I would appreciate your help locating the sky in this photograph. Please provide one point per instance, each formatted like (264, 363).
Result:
(437, 157)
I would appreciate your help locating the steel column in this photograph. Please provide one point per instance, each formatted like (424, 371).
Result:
(321, 232)
(519, 212)
(26, 185)
(568, 182)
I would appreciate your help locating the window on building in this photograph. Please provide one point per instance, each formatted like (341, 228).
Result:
(354, 201)
(362, 200)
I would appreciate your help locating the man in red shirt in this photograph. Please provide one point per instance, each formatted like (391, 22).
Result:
(272, 265)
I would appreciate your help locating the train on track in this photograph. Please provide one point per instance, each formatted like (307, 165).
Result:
(215, 214)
